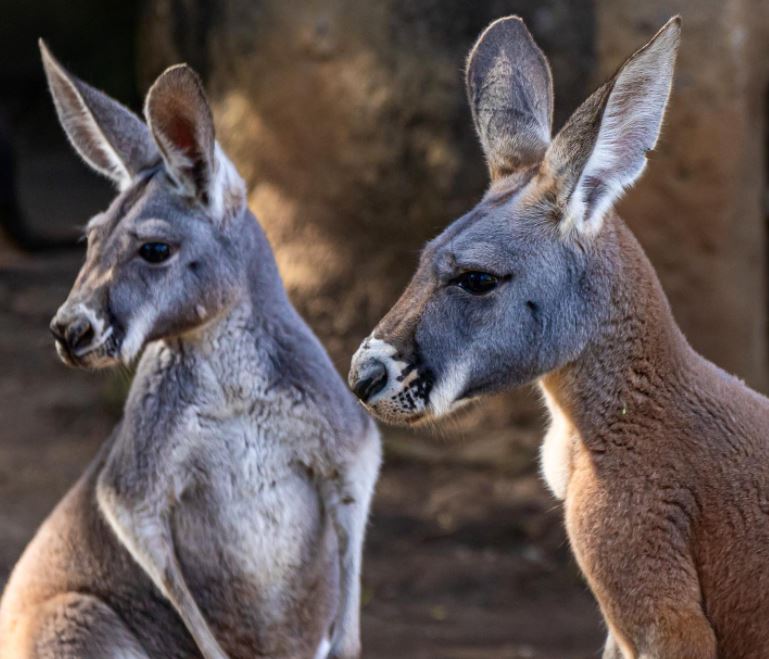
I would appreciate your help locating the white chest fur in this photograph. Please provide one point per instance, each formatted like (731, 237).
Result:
(555, 456)
(264, 504)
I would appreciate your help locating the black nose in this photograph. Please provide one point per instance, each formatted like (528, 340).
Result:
(74, 335)
(57, 330)
(370, 379)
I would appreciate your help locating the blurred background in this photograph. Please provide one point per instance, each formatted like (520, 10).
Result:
(348, 120)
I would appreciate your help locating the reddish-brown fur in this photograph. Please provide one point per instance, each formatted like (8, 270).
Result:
(667, 502)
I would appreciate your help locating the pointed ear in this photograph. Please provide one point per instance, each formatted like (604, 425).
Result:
(601, 151)
(181, 123)
(109, 137)
(510, 89)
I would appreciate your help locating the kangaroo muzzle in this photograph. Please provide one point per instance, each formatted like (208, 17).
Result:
(81, 336)
(393, 388)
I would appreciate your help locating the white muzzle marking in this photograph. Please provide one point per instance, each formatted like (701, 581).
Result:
(373, 348)
(136, 334)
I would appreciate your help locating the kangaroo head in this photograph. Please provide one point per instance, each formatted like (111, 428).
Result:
(516, 287)
(160, 259)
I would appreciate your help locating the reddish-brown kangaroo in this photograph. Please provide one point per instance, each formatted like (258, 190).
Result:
(662, 458)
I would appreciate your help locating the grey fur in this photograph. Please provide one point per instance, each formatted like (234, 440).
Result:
(226, 515)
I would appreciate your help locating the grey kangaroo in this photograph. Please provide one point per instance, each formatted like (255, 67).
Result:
(661, 457)
(226, 514)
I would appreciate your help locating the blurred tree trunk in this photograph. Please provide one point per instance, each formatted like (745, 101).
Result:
(349, 121)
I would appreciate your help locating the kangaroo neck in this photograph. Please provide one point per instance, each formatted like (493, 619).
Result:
(234, 354)
(633, 362)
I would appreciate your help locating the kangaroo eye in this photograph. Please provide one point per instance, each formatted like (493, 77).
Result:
(155, 252)
(477, 283)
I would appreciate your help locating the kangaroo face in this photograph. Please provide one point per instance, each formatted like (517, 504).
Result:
(160, 261)
(515, 288)
(497, 299)
(155, 267)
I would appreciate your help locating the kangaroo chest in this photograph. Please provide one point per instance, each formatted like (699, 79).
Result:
(250, 497)
(557, 450)
(251, 530)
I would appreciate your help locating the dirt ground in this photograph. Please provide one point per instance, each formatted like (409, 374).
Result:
(466, 559)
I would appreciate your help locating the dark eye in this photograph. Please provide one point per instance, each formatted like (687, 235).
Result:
(155, 252)
(477, 283)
